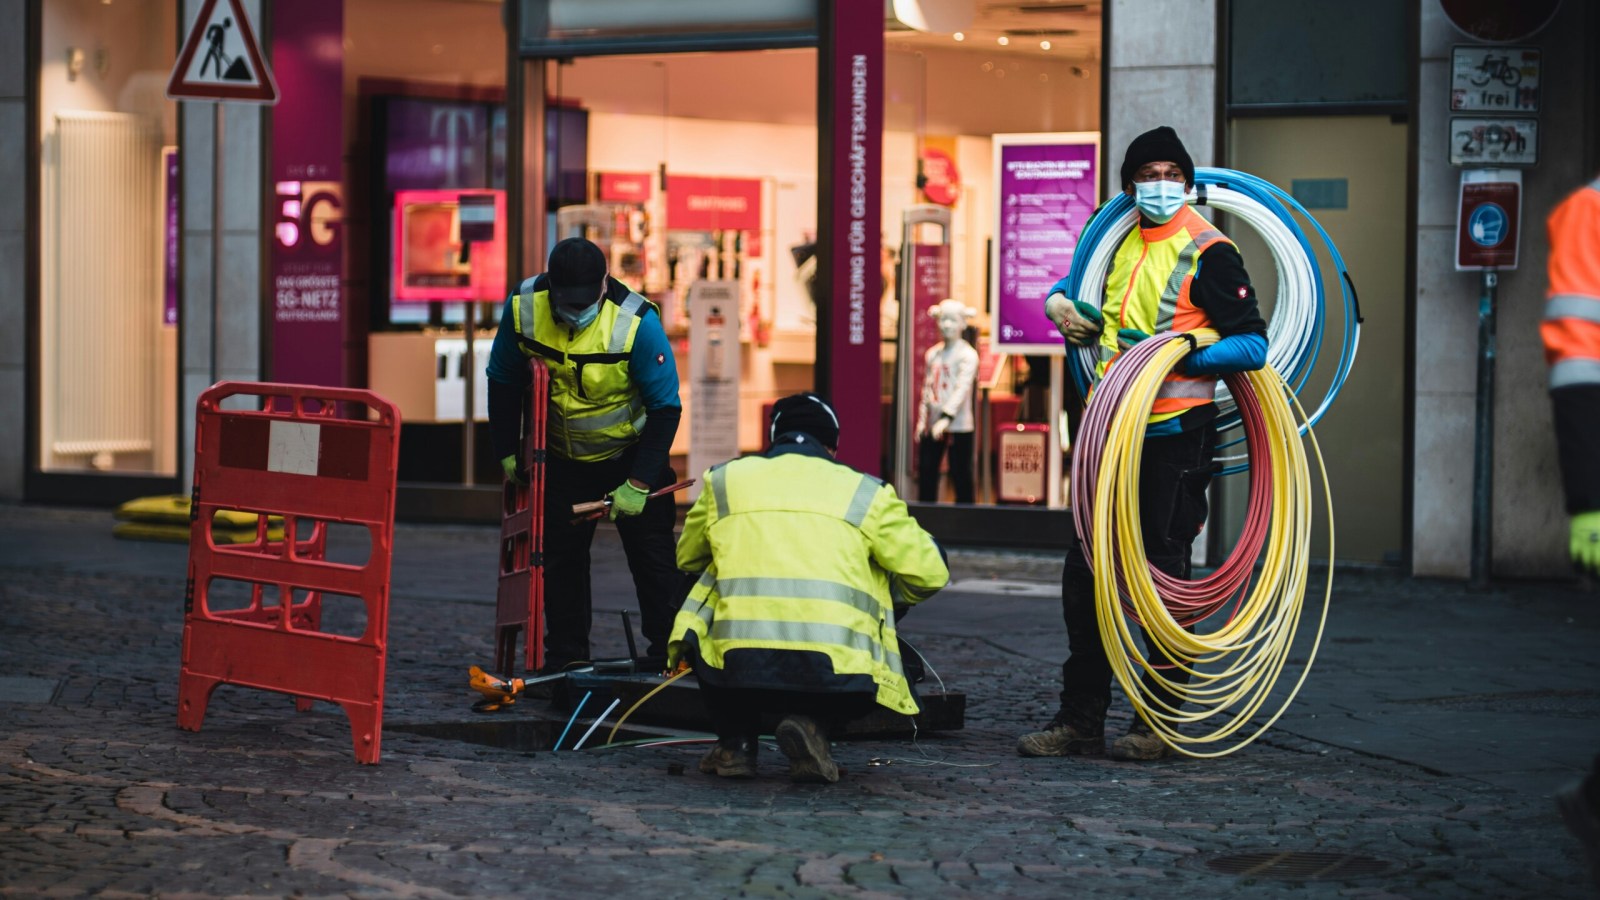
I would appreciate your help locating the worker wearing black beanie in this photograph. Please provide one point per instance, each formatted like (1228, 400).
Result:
(1174, 272)
(1156, 145)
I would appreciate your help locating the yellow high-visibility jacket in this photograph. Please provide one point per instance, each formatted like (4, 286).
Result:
(803, 560)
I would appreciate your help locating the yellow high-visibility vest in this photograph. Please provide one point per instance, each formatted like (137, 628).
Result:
(800, 553)
(595, 409)
(1148, 289)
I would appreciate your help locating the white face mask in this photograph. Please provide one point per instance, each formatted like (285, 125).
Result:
(1159, 200)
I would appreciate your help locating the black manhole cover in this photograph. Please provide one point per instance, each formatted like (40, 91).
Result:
(1298, 865)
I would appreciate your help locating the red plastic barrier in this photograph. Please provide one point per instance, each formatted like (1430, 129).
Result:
(295, 457)
(519, 602)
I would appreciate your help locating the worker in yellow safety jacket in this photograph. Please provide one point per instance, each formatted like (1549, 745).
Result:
(610, 420)
(1571, 332)
(1173, 272)
(803, 564)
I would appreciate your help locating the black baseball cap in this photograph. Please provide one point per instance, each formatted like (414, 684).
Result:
(577, 273)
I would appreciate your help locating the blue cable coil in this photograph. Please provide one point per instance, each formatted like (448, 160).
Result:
(1246, 196)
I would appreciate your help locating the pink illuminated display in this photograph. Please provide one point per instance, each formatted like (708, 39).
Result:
(428, 259)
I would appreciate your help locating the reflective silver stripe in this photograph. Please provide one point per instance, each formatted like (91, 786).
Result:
(625, 317)
(719, 490)
(1168, 310)
(801, 589)
(1569, 372)
(862, 501)
(525, 308)
(802, 633)
(1202, 389)
(1573, 306)
(603, 448)
(709, 581)
(634, 410)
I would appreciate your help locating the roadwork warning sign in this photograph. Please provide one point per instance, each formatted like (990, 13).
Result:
(221, 59)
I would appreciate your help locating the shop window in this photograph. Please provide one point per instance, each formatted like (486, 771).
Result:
(108, 238)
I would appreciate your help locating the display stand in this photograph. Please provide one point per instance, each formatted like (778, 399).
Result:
(923, 281)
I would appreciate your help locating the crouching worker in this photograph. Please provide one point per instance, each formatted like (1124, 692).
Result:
(802, 563)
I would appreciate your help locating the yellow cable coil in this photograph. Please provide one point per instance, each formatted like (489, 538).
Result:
(1234, 668)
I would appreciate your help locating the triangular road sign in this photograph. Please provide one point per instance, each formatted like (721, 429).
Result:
(221, 59)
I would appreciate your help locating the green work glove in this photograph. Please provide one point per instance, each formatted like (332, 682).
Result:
(1127, 337)
(1586, 541)
(509, 466)
(1092, 313)
(628, 500)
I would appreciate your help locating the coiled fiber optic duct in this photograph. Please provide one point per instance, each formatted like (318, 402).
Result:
(1295, 328)
(1232, 669)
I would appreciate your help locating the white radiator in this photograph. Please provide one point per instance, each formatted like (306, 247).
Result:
(102, 258)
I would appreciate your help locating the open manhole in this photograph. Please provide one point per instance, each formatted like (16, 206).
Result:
(522, 734)
(1299, 865)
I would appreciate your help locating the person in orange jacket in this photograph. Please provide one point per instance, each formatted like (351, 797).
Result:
(1571, 332)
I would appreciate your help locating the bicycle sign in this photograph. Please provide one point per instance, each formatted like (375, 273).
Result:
(1498, 79)
(1494, 142)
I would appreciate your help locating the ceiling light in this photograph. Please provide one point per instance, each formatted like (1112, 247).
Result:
(1004, 40)
(959, 36)
(1044, 45)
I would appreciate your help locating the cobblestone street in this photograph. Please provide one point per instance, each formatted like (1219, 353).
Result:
(1420, 757)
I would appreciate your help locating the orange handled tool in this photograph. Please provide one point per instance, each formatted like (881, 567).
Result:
(594, 509)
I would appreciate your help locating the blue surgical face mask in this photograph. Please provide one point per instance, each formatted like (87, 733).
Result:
(581, 318)
(1159, 200)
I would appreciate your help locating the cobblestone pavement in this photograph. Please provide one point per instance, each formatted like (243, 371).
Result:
(1430, 736)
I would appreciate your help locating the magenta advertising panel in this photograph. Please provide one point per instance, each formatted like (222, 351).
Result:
(308, 193)
(169, 240)
(930, 284)
(854, 168)
(1047, 189)
(436, 144)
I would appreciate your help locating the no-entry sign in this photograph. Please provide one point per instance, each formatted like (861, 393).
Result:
(1488, 213)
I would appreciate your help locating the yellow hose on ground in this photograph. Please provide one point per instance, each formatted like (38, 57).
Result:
(640, 702)
(1233, 670)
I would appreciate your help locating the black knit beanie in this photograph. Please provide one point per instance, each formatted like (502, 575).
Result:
(1156, 145)
(806, 413)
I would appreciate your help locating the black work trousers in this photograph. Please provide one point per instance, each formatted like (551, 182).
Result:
(1174, 474)
(737, 713)
(929, 454)
(647, 540)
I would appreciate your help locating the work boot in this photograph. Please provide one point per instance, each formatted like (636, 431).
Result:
(729, 761)
(1583, 820)
(1060, 739)
(1139, 744)
(807, 748)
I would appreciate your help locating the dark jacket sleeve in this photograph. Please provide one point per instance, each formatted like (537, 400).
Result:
(1222, 289)
(655, 445)
(506, 402)
(1577, 413)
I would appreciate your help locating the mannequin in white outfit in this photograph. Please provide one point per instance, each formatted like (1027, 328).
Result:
(945, 416)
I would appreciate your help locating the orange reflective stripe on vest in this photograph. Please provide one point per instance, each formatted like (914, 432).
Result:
(1148, 289)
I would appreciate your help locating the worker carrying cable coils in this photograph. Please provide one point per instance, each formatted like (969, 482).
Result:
(612, 415)
(1175, 272)
(803, 563)
(1571, 331)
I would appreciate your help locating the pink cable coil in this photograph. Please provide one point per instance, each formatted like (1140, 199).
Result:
(1189, 601)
